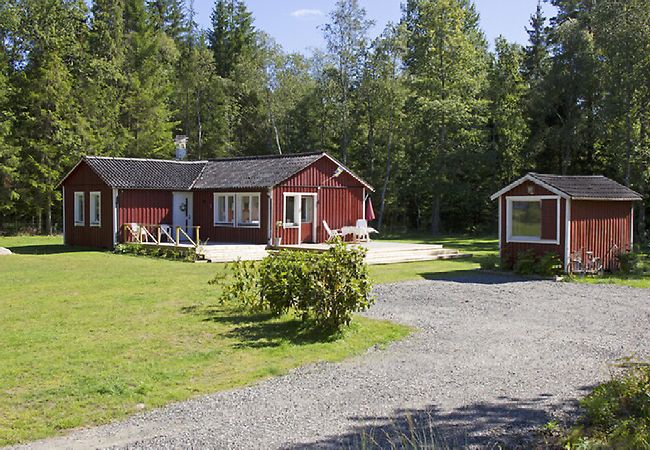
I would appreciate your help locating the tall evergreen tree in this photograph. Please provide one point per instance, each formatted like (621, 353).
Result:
(51, 130)
(509, 130)
(447, 64)
(232, 37)
(149, 64)
(106, 82)
(8, 152)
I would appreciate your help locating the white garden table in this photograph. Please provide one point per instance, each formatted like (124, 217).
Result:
(356, 232)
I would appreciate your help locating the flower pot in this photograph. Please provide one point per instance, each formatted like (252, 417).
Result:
(277, 241)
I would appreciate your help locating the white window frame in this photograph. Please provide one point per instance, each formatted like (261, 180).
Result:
(529, 239)
(296, 210)
(298, 213)
(98, 195)
(236, 220)
(77, 221)
(227, 196)
(238, 202)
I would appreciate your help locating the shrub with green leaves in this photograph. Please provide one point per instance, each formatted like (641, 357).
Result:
(324, 289)
(173, 253)
(633, 263)
(489, 262)
(528, 263)
(525, 263)
(617, 413)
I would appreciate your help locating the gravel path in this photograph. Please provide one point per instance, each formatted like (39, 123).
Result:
(494, 357)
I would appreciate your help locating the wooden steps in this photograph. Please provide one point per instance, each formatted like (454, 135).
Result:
(378, 252)
(410, 253)
(232, 252)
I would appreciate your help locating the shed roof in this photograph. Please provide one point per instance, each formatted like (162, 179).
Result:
(251, 172)
(578, 187)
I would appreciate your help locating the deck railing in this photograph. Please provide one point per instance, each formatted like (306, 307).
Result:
(161, 234)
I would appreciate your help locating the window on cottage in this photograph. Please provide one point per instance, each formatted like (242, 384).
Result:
(290, 210)
(248, 211)
(307, 209)
(224, 209)
(79, 202)
(527, 219)
(96, 209)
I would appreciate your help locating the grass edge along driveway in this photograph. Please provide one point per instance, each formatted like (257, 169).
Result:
(90, 337)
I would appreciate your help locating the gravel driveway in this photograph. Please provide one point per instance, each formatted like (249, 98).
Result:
(494, 357)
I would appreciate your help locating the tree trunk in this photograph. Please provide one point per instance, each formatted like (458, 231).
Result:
(48, 214)
(435, 215)
(384, 188)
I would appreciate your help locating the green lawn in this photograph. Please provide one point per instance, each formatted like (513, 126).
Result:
(87, 337)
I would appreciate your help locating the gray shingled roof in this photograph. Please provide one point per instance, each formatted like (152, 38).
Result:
(132, 173)
(595, 187)
(253, 172)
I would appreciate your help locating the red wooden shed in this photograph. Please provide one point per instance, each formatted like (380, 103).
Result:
(231, 199)
(571, 216)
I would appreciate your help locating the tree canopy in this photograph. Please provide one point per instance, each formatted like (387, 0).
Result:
(428, 111)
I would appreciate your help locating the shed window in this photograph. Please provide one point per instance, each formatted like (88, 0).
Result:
(527, 219)
(307, 209)
(79, 219)
(95, 209)
(533, 219)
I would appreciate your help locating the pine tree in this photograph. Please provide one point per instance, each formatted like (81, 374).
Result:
(149, 63)
(50, 129)
(509, 130)
(447, 64)
(232, 37)
(106, 82)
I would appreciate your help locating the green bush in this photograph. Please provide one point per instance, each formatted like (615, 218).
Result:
(549, 265)
(490, 262)
(617, 413)
(324, 289)
(528, 263)
(525, 263)
(633, 263)
(173, 253)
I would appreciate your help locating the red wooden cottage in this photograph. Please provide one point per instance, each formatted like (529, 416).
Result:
(230, 199)
(572, 216)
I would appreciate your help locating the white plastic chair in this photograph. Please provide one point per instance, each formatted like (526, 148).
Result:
(362, 230)
(331, 233)
(139, 233)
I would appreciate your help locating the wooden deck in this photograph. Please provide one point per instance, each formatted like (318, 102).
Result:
(379, 252)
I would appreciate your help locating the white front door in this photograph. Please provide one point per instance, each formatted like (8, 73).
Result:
(182, 214)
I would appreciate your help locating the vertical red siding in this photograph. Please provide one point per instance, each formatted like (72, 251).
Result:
(144, 207)
(339, 199)
(597, 225)
(85, 180)
(204, 217)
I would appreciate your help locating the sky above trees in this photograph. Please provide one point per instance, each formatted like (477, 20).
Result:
(297, 24)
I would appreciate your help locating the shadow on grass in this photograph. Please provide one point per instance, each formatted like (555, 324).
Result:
(261, 330)
(509, 423)
(50, 249)
(474, 277)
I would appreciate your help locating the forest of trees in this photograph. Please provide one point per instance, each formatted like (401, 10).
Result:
(429, 112)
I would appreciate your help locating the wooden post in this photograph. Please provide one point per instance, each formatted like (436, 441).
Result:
(178, 235)
(159, 236)
(198, 238)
